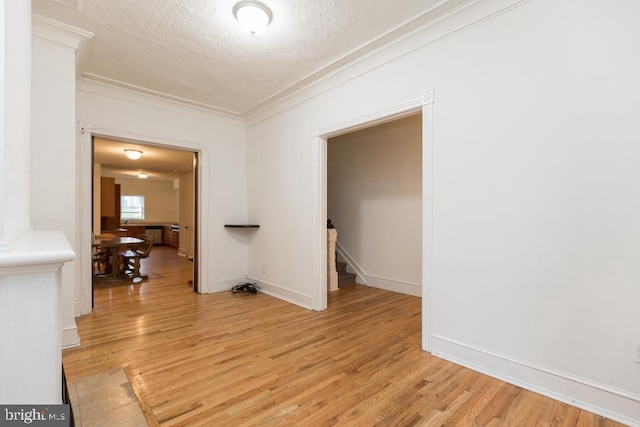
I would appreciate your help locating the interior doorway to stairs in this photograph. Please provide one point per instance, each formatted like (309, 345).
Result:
(374, 200)
(423, 106)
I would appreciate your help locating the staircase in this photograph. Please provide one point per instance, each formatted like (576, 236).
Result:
(344, 278)
(337, 275)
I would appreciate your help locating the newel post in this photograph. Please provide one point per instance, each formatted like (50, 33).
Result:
(332, 272)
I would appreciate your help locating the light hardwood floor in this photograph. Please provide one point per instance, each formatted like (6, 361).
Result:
(230, 360)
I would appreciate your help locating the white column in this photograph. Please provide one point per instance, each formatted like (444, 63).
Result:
(30, 354)
(332, 273)
(15, 116)
(53, 150)
(30, 262)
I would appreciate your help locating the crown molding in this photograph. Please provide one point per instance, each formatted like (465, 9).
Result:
(387, 39)
(442, 21)
(157, 94)
(92, 83)
(74, 4)
(58, 33)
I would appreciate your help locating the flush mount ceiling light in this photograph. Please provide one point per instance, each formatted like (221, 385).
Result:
(133, 154)
(143, 175)
(253, 16)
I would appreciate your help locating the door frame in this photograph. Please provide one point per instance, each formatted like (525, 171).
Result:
(85, 132)
(424, 105)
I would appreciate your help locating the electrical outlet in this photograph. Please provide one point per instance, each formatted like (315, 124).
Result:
(636, 351)
(264, 269)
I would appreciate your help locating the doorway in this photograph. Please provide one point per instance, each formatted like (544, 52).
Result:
(146, 189)
(423, 104)
(374, 200)
(85, 220)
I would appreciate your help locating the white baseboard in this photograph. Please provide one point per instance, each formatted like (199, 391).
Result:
(294, 297)
(223, 285)
(77, 306)
(360, 273)
(615, 404)
(70, 337)
(386, 283)
(395, 285)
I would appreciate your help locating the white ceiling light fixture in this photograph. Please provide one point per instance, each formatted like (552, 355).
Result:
(253, 16)
(133, 154)
(143, 175)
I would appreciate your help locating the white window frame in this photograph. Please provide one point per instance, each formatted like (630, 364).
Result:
(124, 215)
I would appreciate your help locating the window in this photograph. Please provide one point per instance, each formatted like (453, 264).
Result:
(132, 207)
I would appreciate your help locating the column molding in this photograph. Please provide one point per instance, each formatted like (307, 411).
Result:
(56, 32)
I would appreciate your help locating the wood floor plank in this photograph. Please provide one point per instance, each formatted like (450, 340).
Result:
(225, 359)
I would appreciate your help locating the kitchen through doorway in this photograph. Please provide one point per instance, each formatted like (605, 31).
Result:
(146, 189)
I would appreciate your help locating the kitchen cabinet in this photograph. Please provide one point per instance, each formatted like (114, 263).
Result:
(170, 236)
(132, 230)
(108, 197)
(109, 204)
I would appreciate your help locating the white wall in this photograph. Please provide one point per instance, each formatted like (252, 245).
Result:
(15, 116)
(535, 180)
(374, 198)
(280, 200)
(221, 143)
(160, 199)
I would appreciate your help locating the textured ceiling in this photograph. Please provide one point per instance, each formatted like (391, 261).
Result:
(159, 163)
(194, 51)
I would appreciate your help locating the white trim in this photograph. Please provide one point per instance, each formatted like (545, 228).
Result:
(319, 230)
(122, 90)
(408, 288)
(84, 209)
(445, 20)
(427, 217)
(58, 33)
(353, 264)
(36, 251)
(85, 200)
(380, 282)
(613, 403)
(70, 337)
(439, 11)
(393, 112)
(423, 104)
(294, 297)
(224, 285)
(75, 4)
(77, 306)
(30, 273)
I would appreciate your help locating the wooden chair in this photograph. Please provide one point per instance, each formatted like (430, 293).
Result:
(131, 257)
(101, 264)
